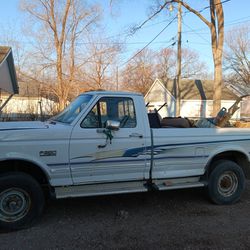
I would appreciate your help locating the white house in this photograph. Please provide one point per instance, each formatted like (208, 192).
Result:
(245, 111)
(19, 106)
(245, 103)
(196, 98)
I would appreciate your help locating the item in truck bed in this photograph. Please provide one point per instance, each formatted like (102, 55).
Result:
(176, 122)
(204, 123)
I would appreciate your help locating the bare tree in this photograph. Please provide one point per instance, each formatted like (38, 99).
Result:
(13, 39)
(59, 26)
(192, 66)
(237, 56)
(142, 70)
(216, 27)
(166, 64)
(98, 70)
(139, 73)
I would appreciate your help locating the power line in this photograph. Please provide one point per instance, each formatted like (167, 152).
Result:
(118, 43)
(100, 43)
(128, 43)
(136, 67)
(207, 7)
(198, 43)
(200, 11)
(196, 33)
(200, 53)
(128, 33)
(150, 41)
(231, 23)
(199, 34)
(154, 24)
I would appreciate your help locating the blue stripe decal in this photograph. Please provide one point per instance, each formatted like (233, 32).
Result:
(182, 157)
(198, 143)
(132, 160)
(136, 151)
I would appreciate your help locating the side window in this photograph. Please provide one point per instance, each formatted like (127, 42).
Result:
(111, 108)
(91, 120)
(103, 112)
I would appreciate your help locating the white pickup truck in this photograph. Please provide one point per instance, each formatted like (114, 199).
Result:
(106, 143)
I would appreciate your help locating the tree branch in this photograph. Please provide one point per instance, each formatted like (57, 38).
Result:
(197, 13)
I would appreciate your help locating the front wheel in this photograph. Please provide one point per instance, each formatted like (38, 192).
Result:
(21, 201)
(226, 183)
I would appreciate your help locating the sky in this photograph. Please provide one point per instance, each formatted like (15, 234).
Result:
(124, 14)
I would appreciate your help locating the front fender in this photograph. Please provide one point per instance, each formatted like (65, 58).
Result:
(14, 156)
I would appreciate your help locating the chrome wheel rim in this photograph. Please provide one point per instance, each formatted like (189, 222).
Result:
(14, 204)
(228, 183)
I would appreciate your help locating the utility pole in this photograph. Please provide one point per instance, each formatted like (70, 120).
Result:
(178, 73)
(117, 79)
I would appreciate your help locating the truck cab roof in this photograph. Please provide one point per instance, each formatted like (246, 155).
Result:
(114, 93)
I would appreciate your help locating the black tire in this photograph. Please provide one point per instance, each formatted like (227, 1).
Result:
(21, 201)
(226, 183)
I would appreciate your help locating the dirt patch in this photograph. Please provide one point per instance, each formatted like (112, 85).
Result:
(180, 219)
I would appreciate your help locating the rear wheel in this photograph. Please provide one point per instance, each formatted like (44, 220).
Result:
(21, 201)
(226, 183)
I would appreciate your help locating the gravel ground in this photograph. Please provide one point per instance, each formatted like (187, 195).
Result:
(180, 219)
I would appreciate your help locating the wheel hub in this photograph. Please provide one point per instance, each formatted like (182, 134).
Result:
(14, 204)
(227, 183)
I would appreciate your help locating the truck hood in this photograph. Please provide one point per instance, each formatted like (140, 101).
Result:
(33, 132)
(7, 126)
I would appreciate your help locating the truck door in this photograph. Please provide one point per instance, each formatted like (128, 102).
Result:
(98, 157)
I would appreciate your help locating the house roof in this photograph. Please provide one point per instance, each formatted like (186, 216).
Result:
(196, 90)
(239, 90)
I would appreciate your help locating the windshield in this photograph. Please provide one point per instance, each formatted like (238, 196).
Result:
(71, 112)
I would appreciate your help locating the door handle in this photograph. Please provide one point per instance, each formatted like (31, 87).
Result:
(136, 135)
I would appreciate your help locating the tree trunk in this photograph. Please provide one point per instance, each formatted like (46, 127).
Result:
(62, 103)
(217, 87)
(216, 27)
(217, 38)
(60, 84)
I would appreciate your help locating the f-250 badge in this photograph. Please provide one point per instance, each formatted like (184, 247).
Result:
(47, 153)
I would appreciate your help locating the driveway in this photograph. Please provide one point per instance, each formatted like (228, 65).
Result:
(180, 219)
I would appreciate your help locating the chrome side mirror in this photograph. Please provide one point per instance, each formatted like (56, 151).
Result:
(112, 125)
